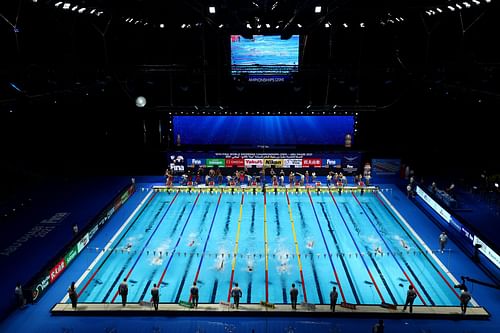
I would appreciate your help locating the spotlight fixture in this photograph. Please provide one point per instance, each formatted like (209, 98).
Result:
(327, 25)
(66, 5)
(345, 25)
(57, 4)
(317, 9)
(362, 24)
(211, 10)
(162, 25)
(299, 25)
(140, 101)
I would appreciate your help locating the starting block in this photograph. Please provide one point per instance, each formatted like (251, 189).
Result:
(267, 304)
(389, 306)
(186, 304)
(144, 303)
(308, 306)
(348, 305)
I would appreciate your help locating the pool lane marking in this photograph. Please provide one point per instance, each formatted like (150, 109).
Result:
(389, 249)
(266, 249)
(339, 254)
(144, 247)
(235, 251)
(422, 243)
(412, 272)
(298, 251)
(357, 248)
(208, 238)
(140, 253)
(142, 206)
(178, 241)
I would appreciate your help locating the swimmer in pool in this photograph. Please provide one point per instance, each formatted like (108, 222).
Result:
(128, 247)
(378, 250)
(250, 268)
(310, 244)
(403, 243)
(191, 243)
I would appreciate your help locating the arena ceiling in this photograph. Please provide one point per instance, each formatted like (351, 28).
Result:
(82, 46)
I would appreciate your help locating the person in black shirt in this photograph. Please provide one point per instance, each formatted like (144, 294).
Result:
(194, 295)
(294, 292)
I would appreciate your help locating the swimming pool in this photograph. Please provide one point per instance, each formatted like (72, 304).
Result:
(265, 242)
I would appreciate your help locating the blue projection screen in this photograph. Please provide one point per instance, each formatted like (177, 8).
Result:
(263, 130)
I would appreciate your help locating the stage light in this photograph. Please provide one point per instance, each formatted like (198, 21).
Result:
(211, 10)
(439, 10)
(57, 4)
(317, 9)
(327, 25)
(74, 8)
(268, 25)
(496, 185)
(476, 2)
(183, 25)
(249, 26)
(140, 101)
(451, 8)
(221, 26)
(466, 4)
(345, 25)
(162, 25)
(362, 24)
(81, 10)
(299, 25)
(66, 5)
(92, 11)
(458, 6)
(487, 1)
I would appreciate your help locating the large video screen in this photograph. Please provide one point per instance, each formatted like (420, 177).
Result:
(263, 130)
(264, 54)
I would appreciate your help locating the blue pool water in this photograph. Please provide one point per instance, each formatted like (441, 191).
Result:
(265, 242)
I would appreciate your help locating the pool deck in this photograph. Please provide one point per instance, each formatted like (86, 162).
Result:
(136, 309)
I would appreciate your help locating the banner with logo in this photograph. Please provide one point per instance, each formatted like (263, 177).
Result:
(235, 162)
(57, 270)
(218, 162)
(257, 162)
(295, 162)
(311, 162)
(269, 162)
(196, 162)
(332, 163)
(385, 166)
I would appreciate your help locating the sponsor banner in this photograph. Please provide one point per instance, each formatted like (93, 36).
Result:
(250, 162)
(258, 155)
(289, 162)
(118, 204)
(124, 197)
(487, 251)
(351, 163)
(177, 164)
(277, 163)
(434, 205)
(40, 287)
(332, 162)
(57, 270)
(93, 231)
(311, 162)
(82, 243)
(235, 162)
(385, 166)
(220, 162)
(193, 162)
(71, 255)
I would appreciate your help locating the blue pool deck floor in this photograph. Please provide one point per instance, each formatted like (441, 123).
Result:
(91, 196)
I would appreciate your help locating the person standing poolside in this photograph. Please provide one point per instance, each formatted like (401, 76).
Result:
(236, 293)
(465, 297)
(123, 291)
(73, 295)
(194, 295)
(155, 293)
(334, 295)
(443, 239)
(21, 301)
(378, 327)
(410, 298)
(294, 292)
